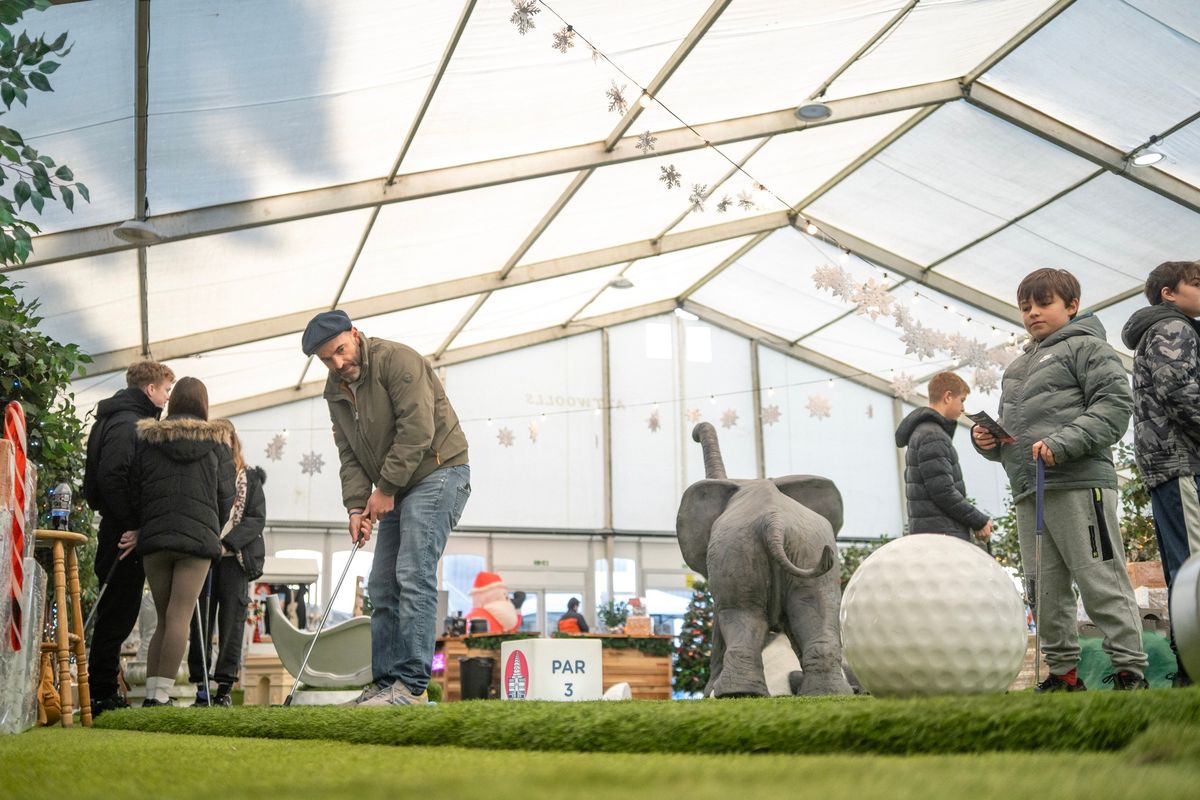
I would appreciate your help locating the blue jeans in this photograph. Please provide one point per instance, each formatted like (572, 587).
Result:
(403, 581)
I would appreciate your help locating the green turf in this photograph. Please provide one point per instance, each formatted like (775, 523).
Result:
(1090, 721)
(116, 764)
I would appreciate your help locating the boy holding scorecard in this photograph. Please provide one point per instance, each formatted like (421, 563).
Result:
(1067, 400)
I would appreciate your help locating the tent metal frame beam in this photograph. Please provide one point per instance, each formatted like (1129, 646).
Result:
(225, 218)
(316, 388)
(1081, 144)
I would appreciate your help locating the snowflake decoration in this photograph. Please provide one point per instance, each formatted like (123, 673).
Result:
(670, 176)
(724, 204)
(653, 422)
(275, 447)
(900, 315)
(693, 415)
(969, 352)
(523, 13)
(819, 406)
(564, 40)
(986, 379)
(921, 341)
(903, 386)
(1003, 355)
(729, 419)
(505, 437)
(645, 142)
(873, 299)
(771, 415)
(696, 198)
(311, 463)
(745, 201)
(870, 411)
(533, 432)
(834, 279)
(616, 97)
(595, 53)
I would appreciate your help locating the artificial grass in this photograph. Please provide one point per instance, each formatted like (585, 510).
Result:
(111, 764)
(1090, 721)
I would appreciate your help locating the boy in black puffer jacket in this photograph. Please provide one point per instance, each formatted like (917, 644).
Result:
(110, 451)
(937, 501)
(1166, 412)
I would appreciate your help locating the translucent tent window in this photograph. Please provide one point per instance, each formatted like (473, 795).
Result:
(458, 576)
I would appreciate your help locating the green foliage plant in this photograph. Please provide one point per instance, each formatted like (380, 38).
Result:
(34, 368)
(612, 615)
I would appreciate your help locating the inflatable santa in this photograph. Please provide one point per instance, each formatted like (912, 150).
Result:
(492, 604)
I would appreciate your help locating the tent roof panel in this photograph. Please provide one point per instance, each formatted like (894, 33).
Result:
(1116, 70)
(216, 281)
(330, 107)
(422, 241)
(525, 96)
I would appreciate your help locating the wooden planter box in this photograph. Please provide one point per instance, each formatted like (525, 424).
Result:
(649, 677)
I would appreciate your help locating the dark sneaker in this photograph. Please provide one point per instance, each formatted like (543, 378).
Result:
(110, 703)
(1123, 680)
(150, 702)
(1067, 682)
(222, 700)
(201, 701)
(1179, 680)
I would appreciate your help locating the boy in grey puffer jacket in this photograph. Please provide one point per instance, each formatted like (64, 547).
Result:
(1166, 412)
(1067, 400)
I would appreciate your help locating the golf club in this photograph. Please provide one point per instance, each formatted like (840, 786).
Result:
(321, 625)
(1040, 501)
(203, 654)
(100, 595)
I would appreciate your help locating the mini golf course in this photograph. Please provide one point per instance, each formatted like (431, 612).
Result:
(1093, 745)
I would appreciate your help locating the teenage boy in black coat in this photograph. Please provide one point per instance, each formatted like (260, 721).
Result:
(110, 452)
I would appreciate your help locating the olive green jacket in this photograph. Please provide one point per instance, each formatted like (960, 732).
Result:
(1071, 391)
(398, 427)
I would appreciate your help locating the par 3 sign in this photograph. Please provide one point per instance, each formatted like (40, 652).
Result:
(551, 669)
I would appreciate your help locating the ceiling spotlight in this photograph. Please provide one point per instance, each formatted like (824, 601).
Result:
(809, 228)
(621, 283)
(1146, 158)
(813, 111)
(137, 231)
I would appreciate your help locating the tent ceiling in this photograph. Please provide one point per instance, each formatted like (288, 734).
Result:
(459, 186)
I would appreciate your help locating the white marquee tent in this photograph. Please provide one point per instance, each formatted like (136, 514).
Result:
(471, 190)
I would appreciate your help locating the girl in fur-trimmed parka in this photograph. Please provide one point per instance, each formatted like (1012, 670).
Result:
(183, 483)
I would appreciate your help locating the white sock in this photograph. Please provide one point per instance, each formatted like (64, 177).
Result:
(162, 689)
(151, 683)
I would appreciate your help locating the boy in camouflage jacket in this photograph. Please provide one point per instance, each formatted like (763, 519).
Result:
(1166, 411)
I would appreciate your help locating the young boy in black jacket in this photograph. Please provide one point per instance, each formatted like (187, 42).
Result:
(110, 452)
(937, 499)
(1166, 412)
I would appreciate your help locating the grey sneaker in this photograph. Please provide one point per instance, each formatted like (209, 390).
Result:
(366, 695)
(396, 695)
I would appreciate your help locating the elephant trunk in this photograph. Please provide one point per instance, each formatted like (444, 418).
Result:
(714, 465)
(773, 534)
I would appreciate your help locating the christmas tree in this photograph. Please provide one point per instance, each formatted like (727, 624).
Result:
(695, 642)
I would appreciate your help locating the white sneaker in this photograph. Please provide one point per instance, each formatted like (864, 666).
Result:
(395, 695)
(366, 695)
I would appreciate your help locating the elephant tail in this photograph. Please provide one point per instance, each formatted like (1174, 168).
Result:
(706, 435)
(773, 536)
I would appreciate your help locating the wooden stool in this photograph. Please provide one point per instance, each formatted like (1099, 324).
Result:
(62, 548)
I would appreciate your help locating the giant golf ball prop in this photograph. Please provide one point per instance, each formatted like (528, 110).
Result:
(931, 614)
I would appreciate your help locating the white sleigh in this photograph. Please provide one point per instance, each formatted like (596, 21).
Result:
(341, 658)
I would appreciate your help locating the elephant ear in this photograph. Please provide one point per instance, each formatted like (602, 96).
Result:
(702, 503)
(814, 492)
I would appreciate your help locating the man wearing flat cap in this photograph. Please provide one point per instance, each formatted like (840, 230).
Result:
(403, 465)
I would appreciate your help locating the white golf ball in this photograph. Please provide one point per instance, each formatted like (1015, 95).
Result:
(931, 614)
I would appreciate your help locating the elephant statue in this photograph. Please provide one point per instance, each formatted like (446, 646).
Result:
(768, 551)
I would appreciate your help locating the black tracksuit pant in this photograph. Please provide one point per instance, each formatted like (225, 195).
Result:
(226, 613)
(117, 612)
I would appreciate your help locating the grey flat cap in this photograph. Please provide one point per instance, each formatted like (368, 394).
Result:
(322, 328)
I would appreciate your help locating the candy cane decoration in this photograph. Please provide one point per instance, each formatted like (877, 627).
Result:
(14, 431)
